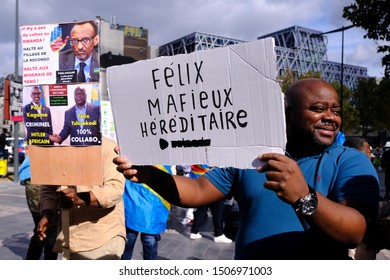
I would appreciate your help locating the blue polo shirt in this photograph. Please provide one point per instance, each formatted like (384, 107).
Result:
(270, 229)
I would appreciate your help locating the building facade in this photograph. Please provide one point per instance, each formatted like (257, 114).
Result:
(301, 50)
(298, 50)
(195, 41)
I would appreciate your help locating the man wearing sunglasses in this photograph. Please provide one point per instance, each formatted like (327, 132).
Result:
(83, 55)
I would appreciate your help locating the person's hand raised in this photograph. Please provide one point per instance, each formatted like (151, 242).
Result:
(124, 166)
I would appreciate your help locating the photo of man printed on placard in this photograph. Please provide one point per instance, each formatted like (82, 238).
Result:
(63, 115)
(80, 52)
(81, 122)
(37, 119)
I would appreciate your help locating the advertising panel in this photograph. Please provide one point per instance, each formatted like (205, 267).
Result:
(16, 100)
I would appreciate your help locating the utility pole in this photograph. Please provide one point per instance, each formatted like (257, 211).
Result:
(16, 76)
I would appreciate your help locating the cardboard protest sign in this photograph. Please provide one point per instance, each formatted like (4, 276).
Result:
(222, 107)
(61, 99)
(66, 165)
(61, 102)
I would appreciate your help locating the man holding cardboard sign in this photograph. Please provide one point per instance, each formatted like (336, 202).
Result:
(208, 107)
(312, 203)
(97, 224)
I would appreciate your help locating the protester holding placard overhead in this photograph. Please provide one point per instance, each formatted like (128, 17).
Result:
(83, 54)
(97, 223)
(311, 203)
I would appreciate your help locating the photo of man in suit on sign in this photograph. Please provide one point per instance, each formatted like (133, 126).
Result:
(81, 123)
(83, 54)
(37, 119)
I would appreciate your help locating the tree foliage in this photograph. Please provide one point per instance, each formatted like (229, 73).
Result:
(291, 77)
(350, 115)
(374, 17)
(310, 74)
(365, 100)
(287, 79)
(382, 110)
(372, 100)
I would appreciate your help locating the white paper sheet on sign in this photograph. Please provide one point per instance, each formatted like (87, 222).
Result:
(222, 107)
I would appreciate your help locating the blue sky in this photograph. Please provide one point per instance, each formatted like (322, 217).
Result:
(168, 20)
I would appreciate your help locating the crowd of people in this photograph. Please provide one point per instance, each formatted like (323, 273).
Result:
(318, 194)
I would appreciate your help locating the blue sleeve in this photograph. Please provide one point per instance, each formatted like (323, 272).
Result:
(24, 170)
(222, 178)
(357, 180)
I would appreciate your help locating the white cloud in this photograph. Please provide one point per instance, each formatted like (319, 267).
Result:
(7, 64)
(366, 54)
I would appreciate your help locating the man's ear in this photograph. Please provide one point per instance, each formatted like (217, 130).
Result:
(96, 40)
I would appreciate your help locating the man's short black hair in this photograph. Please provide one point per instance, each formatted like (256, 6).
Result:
(91, 22)
(355, 142)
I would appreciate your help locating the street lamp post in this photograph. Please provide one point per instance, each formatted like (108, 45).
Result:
(342, 29)
(16, 77)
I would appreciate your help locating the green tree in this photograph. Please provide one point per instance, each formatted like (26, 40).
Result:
(350, 114)
(310, 74)
(374, 17)
(291, 76)
(382, 110)
(366, 102)
(288, 78)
